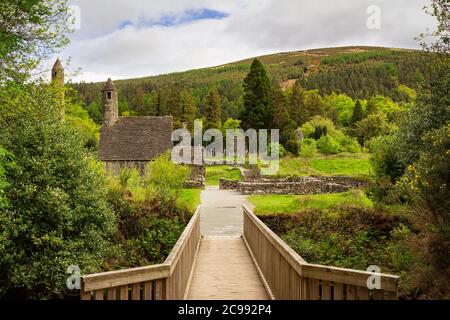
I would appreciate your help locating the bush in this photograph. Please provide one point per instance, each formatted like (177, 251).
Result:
(328, 145)
(165, 179)
(308, 148)
(58, 213)
(276, 146)
(293, 147)
(310, 128)
(349, 144)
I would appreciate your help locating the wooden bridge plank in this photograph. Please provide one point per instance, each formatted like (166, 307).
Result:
(225, 270)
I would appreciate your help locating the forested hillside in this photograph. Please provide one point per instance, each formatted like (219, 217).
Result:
(359, 72)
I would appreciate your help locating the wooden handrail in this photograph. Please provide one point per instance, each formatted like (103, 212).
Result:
(289, 276)
(163, 281)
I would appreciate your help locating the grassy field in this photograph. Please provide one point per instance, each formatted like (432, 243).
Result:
(190, 198)
(347, 164)
(214, 173)
(288, 204)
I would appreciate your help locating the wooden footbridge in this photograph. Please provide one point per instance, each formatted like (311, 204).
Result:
(255, 265)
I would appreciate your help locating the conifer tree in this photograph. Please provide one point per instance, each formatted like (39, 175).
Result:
(188, 108)
(297, 104)
(357, 114)
(213, 116)
(257, 113)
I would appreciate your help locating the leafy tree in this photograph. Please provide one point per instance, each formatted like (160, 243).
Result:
(313, 105)
(213, 118)
(31, 31)
(328, 145)
(257, 113)
(4, 162)
(339, 108)
(373, 126)
(58, 214)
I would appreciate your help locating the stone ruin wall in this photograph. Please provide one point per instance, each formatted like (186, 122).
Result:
(294, 185)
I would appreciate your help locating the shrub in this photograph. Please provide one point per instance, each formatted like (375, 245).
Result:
(328, 145)
(293, 147)
(276, 146)
(326, 127)
(58, 213)
(349, 144)
(308, 148)
(165, 179)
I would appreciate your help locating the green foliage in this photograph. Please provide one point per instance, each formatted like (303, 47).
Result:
(357, 57)
(213, 117)
(159, 236)
(372, 126)
(278, 148)
(339, 108)
(257, 113)
(164, 179)
(79, 118)
(31, 31)
(310, 127)
(290, 204)
(214, 173)
(328, 145)
(384, 159)
(308, 148)
(317, 164)
(357, 114)
(5, 161)
(58, 213)
(293, 147)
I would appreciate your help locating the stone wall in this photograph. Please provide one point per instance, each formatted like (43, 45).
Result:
(225, 184)
(295, 185)
(116, 166)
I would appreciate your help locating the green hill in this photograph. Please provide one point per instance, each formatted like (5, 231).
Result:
(360, 72)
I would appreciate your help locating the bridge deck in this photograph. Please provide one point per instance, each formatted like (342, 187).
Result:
(225, 270)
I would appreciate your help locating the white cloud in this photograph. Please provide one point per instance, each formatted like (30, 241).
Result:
(252, 28)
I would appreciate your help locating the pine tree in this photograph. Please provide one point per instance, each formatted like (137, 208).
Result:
(213, 116)
(188, 108)
(297, 104)
(357, 114)
(281, 117)
(257, 113)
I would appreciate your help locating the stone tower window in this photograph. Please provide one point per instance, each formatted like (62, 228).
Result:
(109, 95)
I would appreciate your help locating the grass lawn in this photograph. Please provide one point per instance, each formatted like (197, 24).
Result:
(190, 198)
(214, 173)
(286, 204)
(347, 164)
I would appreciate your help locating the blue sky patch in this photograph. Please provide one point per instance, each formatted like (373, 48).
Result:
(173, 20)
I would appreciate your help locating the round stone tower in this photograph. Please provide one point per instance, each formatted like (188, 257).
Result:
(58, 81)
(58, 73)
(110, 103)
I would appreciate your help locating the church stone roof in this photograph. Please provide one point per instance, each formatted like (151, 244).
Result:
(135, 138)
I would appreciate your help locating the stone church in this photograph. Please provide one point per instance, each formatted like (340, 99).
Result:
(130, 141)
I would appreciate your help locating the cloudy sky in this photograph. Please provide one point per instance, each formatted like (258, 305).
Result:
(124, 38)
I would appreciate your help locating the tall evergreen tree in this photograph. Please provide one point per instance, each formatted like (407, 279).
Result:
(297, 104)
(213, 116)
(257, 113)
(357, 114)
(188, 108)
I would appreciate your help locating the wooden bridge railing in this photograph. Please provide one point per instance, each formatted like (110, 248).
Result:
(168, 280)
(289, 277)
